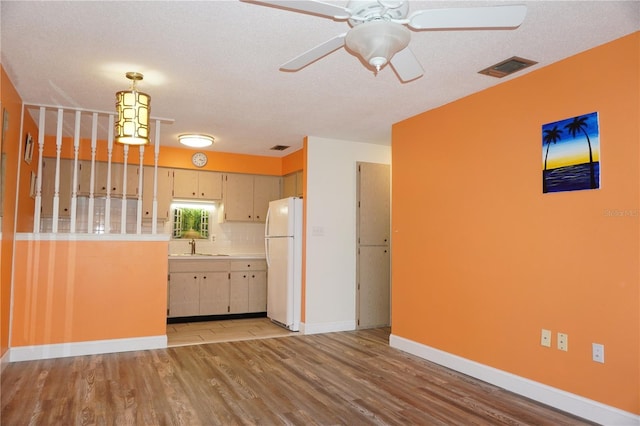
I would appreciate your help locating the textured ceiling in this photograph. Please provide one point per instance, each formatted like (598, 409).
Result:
(213, 66)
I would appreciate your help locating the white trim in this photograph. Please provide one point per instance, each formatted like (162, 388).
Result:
(557, 398)
(61, 350)
(327, 327)
(28, 236)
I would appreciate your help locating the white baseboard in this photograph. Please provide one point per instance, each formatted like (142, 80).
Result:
(562, 400)
(327, 327)
(60, 350)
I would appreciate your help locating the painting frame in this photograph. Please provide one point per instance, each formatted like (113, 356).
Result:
(571, 154)
(28, 148)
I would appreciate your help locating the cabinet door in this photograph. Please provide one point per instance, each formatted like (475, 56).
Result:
(258, 291)
(265, 189)
(210, 185)
(185, 183)
(238, 197)
(289, 186)
(299, 187)
(214, 293)
(374, 203)
(239, 292)
(183, 294)
(373, 286)
(48, 187)
(165, 188)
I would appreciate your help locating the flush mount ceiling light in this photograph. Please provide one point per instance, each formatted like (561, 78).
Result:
(377, 41)
(195, 140)
(132, 125)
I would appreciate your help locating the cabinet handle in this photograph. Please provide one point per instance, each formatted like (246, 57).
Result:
(202, 194)
(195, 278)
(253, 276)
(205, 277)
(244, 276)
(193, 193)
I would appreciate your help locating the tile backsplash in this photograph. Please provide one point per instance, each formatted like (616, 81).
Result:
(225, 238)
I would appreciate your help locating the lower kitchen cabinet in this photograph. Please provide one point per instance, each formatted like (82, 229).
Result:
(214, 294)
(184, 294)
(216, 287)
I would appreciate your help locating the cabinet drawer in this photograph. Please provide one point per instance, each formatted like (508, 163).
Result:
(248, 265)
(198, 265)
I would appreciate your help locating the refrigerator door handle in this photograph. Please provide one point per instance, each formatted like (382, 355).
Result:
(266, 252)
(266, 222)
(266, 240)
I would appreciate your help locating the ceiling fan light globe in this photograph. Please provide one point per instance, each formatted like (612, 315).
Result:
(377, 41)
(378, 62)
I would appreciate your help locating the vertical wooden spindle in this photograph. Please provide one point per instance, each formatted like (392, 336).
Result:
(107, 203)
(38, 201)
(123, 212)
(74, 186)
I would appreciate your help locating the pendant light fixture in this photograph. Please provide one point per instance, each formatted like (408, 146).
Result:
(133, 107)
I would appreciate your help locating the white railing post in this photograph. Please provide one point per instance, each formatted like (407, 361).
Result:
(107, 202)
(123, 211)
(92, 179)
(56, 187)
(38, 203)
(74, 188)
(156, 155)
(139, 209)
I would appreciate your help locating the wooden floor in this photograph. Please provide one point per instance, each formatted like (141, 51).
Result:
(223, 331)
(346, 378)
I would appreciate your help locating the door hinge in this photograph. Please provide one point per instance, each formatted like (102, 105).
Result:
(229, 275)
(228, 308)
(168, 277)
(168, 312)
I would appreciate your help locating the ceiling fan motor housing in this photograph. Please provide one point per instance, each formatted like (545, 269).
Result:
(377, 41)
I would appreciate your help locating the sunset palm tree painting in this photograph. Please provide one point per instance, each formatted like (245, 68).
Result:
(571, 154)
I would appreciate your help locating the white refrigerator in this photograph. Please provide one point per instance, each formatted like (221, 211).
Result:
(283, 250)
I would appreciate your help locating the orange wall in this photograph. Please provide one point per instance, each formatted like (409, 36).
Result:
(293, 162)
(482, 260)
(69, 291)
(170, 157)
(12, 102)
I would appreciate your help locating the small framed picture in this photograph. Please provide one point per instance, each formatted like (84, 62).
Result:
(32, 185)
(28, 148)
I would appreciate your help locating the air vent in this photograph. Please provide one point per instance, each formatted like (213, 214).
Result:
(279, 147)
(507, 67)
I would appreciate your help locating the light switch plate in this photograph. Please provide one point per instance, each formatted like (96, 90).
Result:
(597, 352)
(545, 338)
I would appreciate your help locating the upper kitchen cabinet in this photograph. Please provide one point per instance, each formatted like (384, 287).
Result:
(48, 187)
(246, 197)
(101, 177)
(292, 185)
(197, 184)
(165, 186)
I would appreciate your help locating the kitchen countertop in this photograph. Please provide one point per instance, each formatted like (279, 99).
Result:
(220, 256)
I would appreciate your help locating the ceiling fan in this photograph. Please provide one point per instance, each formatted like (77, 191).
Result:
(379, 33)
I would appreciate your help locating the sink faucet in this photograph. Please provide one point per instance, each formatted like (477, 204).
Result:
(192, 243)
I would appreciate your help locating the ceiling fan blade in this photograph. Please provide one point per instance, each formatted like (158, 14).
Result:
(308, 6)
(406, 65)
(314, 54)
(508, 16)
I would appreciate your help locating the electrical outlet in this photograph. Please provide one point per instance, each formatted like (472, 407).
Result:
(597, 352)
(563, 342)
(545, 338)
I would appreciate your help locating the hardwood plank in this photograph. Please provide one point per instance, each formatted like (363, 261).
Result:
(342, 378)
